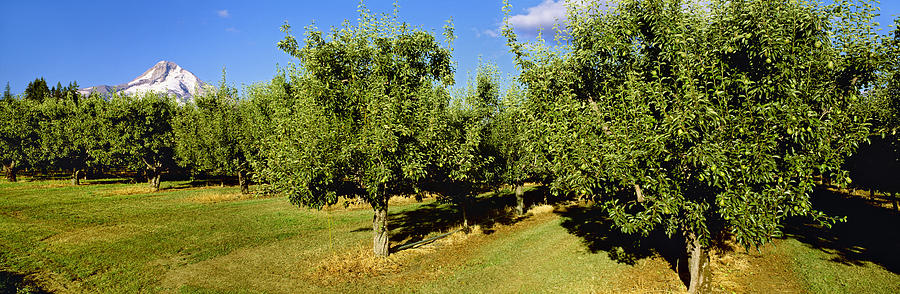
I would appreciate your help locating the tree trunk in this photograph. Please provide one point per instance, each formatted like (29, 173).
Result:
(520, 199)
(75, 177)
(698, 265)
(465, 217)
(380, 231)
(153, 177)
(242, 181)
(10, 171)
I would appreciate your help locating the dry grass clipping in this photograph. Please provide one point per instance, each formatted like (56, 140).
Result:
(541, 209)
(730, 268)
(362, 262)
(458, 237)
(357, 204)
(132, 190)
(218, 196)
(649, 275)
(737, 271)
(358, 263)
(56, 185)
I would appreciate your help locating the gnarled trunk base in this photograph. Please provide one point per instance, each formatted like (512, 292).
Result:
(380, 231)
(153, 179)
(76, 180)
(10, 171)
(698, 265)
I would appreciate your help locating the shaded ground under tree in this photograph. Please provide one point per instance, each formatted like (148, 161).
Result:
(11, 282)
(870, 233)
(487, 211)
(599, 234)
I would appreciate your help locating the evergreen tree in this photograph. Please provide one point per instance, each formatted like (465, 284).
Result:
(57, 92)
(71, 92)
(6, 93)
(37, 90)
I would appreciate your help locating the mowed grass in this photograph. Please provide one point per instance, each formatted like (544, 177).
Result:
(120, 238)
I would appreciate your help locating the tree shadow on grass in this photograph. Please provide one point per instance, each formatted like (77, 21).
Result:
(599, 234)
(108, 181)
(870, 233)
(487, 210)
(11, 282)
(196, 183)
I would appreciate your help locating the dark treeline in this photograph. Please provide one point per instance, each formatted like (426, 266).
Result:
(701, 121)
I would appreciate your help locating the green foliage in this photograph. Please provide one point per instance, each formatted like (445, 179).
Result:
(264, 102)
(209, 132)
(885, 101)
(359, 122)
(68, 130)
(465, 159)
(138, 130)
(700, 119)
(57, 133)
(510, 135)
(19, 134)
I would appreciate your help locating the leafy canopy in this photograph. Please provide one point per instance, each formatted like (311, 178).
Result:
(699, 118)
(359, 125)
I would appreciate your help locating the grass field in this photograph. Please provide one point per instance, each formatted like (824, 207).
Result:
(118, 237)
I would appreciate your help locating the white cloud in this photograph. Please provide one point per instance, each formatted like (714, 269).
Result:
(486, 32)
(223, 13)
(543, 16)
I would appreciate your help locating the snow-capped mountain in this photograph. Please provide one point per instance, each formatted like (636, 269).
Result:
(164, 77)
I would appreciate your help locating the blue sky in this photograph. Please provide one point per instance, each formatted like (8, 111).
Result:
(112, 42)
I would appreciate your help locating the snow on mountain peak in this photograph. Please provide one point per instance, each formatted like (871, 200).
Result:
(164, 77)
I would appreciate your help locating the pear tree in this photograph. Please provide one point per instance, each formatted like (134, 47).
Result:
(700, 119)
(209, 134)
(359, 124)
(19, 135)
(138, 131)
